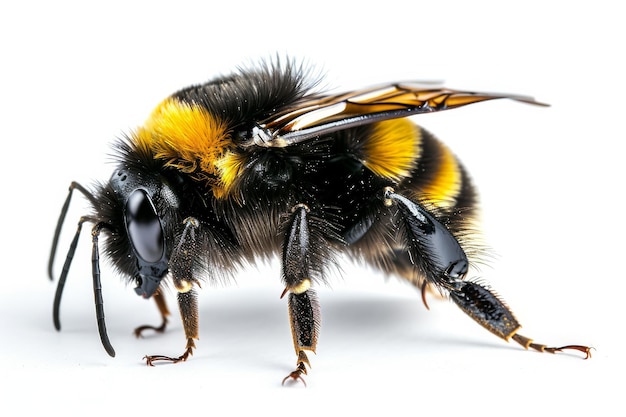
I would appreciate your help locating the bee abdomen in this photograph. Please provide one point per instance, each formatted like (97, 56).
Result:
(411, 158)
(439, 178)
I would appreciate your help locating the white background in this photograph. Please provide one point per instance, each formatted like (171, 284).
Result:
(75, 76)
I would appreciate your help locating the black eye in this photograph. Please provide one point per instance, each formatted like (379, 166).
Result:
(144, 227)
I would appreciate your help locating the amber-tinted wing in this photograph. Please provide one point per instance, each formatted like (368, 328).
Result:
(319, 115)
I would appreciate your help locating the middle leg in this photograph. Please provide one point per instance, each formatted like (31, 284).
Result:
(304, 310)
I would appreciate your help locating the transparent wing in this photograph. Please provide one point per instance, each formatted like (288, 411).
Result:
(319, 115)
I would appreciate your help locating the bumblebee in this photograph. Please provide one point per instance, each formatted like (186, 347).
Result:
(259, 163)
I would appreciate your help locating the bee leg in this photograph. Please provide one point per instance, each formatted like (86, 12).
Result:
(304, 309)
(528, 343)
(188, 304)
(492, 313)
(304, 319)
(165, 312)
(181, 268)
(439, 256)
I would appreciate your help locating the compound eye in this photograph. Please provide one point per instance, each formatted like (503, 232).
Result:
(144, 227)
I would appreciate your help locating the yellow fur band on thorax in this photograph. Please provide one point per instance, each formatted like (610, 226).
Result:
(189, 138)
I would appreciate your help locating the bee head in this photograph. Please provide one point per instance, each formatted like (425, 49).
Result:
(142, 210)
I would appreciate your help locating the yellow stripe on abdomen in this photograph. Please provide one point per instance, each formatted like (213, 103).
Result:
(445, 184)
(392, 149)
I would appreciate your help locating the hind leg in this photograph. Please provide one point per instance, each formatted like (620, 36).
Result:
(432, 256)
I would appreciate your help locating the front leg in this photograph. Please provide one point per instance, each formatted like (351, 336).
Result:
(304, 310)
(182, 271)
(159, 299)
(188, 305)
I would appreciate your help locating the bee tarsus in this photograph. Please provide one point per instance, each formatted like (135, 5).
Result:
(528, 343)
(296, 375)
(151, 359)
